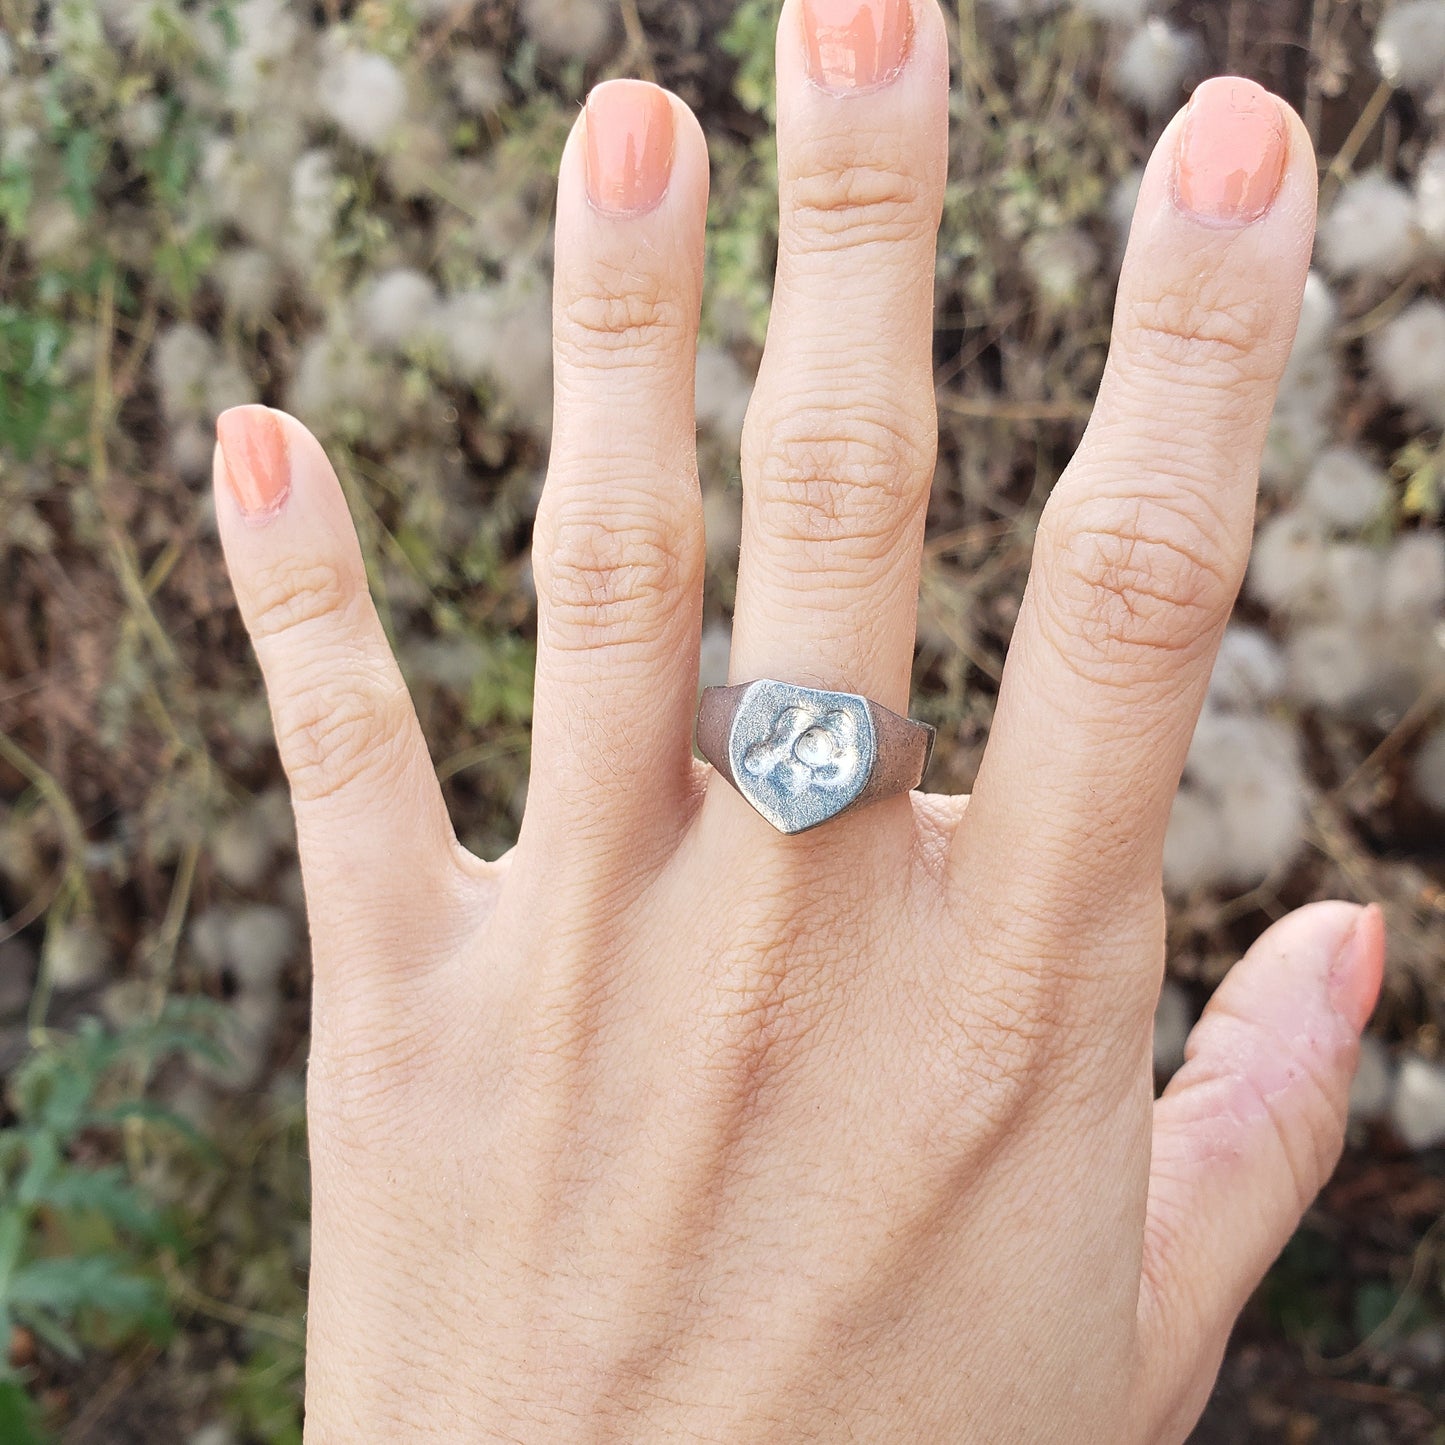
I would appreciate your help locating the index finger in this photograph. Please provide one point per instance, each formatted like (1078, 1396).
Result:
(1143, 545)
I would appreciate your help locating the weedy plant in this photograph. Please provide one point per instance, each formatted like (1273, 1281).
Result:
(82, 1244)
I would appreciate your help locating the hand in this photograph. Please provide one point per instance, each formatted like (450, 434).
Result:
(667, 1127)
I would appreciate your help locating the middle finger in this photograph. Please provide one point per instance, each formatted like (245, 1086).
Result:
(839, 448)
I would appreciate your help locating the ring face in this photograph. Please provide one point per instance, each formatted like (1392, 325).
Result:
(801, 756)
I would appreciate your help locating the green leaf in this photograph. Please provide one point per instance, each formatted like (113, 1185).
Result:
(149, 1112)
(64, 1286)
(54, 1334)
(19, 1419)
(82, 160)
(106, 1192)
(44, 1161)
(12, 1241)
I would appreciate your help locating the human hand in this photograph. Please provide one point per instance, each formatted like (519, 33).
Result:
(668, 1127)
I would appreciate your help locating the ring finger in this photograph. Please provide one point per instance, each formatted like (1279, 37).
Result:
(840, 442)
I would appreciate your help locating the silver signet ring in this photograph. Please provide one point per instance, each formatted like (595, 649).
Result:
(802, 757)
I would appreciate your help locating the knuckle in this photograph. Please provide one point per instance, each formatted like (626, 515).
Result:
(1129, 579)
(344, 730)
(613, 578)
(1204, 335)
(288, 596)
(845, 478)
(1302, 1100)
(840, 200)
(626, 313)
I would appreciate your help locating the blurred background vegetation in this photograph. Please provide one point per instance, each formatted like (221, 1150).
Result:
(343, 207)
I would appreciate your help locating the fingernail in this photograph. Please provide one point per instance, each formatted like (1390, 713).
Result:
(255, 458)
(1359, 970)
(1232, 151)
(854, 45)
(630, 136)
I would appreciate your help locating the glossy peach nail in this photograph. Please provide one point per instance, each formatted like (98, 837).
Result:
(854, 45)
(630, 139)
(1359, 971)
(255, 459)
(1232, 151)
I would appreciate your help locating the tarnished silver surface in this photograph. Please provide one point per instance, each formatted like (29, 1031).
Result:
(801, 756)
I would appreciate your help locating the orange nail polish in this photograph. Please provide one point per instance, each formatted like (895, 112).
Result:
(854, 45)
(1232, 152)
(1359, 972)
(255, 458)
(630, 138)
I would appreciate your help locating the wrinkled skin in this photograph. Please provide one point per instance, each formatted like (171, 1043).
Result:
(666, 1127)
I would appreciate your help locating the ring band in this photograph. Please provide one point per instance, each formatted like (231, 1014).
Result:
(802, 757)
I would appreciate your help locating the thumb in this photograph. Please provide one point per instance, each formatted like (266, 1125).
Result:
(1246, 1135)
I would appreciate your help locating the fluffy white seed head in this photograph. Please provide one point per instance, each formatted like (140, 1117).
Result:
(569, 29)
(243, 848)
(1260, 793)
(1061, 264)
(54, 231)
(724, 390)
(1414, 588)
(1410, 45)
(1022, 9)
(1430, 198)
(1345, 489)
(398, 308)
(1370, 229)
(1173, 1018)
(142, 123)
(1418, 1112)
(228, 384)
(239, 189)
(1408, 355)
(524, 339)
(1154, 64)
(503, 338)
(1249, 671)
(722, 519)
(717, 643)
(1428, 770)
(267, 34)
(1330, 666)
(1115, 12)
(181, 364)
(1298, 433)
(312, 208)
(1249, 768)
(1374, 1083)
(363, 93)
(1353, 584)
(216, 1433)
(259, 940)
(248, 1028)
(190, 447)
(1194, 844)
(417, 154)
(336, 375)
(76, 954)
(1319, 314)
(477, 80)
(1221, 739)
(1123, 201)
(250, 282)
(467, 323)
(1286, 569)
